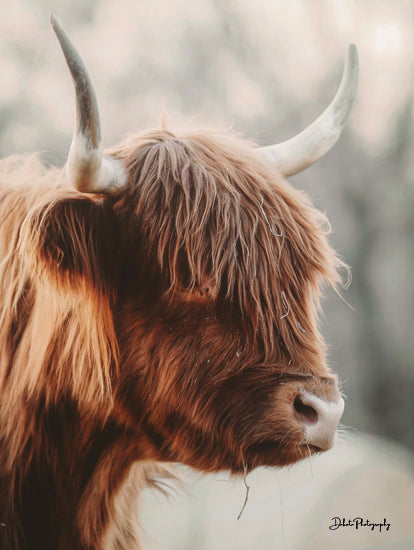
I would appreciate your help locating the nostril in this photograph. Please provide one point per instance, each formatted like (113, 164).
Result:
(319, 418)
(306, 413)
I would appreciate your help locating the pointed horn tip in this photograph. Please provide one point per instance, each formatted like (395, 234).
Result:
(55, 24)
(52, 20)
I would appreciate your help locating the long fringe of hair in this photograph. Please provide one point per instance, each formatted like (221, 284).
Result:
(213, 216)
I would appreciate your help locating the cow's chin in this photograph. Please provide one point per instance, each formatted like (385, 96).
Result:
(269, 453)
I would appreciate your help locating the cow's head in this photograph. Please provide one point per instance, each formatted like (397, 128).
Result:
(215, 268)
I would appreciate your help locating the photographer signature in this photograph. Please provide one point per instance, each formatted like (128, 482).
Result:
(358, 523)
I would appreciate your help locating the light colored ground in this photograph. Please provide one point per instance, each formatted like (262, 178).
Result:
(292, 509)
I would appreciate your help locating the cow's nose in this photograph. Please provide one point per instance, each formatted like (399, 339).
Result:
(319, 418)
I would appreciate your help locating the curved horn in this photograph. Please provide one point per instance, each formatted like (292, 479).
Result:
(296, 154)
(87, 169)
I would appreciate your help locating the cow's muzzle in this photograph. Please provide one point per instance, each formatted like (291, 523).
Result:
(319, 419)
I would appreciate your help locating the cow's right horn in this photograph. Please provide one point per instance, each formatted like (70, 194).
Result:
(296, 154)
(87, 169)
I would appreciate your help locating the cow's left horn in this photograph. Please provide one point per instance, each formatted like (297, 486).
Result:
(296, 154)
(87, 169)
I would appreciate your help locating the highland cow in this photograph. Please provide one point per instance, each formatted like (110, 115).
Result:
(158, 304)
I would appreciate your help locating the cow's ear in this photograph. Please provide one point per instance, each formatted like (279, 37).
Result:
(67, 247)
(72, 240)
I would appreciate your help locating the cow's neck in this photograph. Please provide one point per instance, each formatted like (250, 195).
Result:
(75, 484)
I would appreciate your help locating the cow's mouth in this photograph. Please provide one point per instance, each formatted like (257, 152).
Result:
(281, 453)
(313, 448)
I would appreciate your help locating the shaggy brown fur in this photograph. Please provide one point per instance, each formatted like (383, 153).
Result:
(175, 321)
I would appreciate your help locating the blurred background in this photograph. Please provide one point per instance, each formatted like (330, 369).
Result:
(267, 68)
